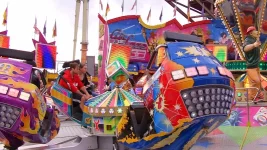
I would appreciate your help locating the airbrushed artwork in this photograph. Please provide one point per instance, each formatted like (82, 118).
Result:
(143, 39)
(4, 41)
(239, 117)
(23, 107)
(164, 87)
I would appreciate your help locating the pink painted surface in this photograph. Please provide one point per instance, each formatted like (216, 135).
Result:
(239, 116)
(101, 71)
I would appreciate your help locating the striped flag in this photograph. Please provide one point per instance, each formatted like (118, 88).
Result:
(134, 5)
(5, 17)
(55, 30)
(161, 14)
(101, 4)
(107, 10)
(149, 15)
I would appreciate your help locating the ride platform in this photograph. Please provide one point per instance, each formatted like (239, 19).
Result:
(245, 129)
(228, 136)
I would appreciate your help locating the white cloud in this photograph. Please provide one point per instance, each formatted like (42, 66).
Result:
(21, 17)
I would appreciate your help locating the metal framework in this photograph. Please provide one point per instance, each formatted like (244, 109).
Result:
(204, 8)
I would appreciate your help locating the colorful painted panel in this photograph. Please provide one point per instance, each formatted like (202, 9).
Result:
(112, 103)
(4, 41)
(62, 98)
(239, 116)
(46, 56)
(143, 38)
(219, 51)
(131, 29)
(120, 53)
(130, 32)
(102, 53)
(110, 124)
(117, 73)
(15, 69)
(98, 125)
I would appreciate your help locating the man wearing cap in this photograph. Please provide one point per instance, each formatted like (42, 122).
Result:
(252, 54)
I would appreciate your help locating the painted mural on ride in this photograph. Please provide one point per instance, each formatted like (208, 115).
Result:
(171, 125)
(143, 39)
(23, 108)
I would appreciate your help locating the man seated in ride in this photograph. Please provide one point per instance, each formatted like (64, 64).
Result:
(78, 89)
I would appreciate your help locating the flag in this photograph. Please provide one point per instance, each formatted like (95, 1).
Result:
(55, 30)
(174, 11)
(134, 5)
(122, 6)
(148, 16)
(101, 5)
(44, 30)
(5, 17)
(36, 30)
(160, 16)
(107, 10)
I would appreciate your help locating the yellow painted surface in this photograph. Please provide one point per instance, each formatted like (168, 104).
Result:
(65, 99)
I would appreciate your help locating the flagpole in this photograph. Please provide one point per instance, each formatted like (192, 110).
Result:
(35, 25)
(106, 14)
(6, 15)
(188, 11)
(136, 7)
(122, 7)
(45, 25)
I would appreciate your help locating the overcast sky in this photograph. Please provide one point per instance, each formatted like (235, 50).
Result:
(21, 17)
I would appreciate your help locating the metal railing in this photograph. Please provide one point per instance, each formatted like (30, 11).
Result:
(248, 102)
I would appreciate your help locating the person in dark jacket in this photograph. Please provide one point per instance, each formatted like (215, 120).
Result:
(252, 54)
(83, 75)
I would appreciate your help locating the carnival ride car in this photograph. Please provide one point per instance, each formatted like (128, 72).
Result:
(25, 115)
(189, 95)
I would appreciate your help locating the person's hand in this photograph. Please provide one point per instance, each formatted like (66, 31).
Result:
(257, 43)
(88, 96)
(106, 88)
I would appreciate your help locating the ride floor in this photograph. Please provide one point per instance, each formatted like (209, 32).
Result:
(231, 136)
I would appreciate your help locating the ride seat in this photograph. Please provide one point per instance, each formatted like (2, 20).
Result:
(76, 110)
(140, 119)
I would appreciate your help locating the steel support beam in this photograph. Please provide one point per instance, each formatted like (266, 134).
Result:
(180, 11)
(206, 9)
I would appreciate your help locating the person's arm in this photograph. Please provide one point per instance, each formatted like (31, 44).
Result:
(82, 87)
(249, 47)
(84, 90)
(73, 88)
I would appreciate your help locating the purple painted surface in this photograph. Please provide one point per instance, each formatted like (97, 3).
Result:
(3, 33)
(26, 126)
(16, 70)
